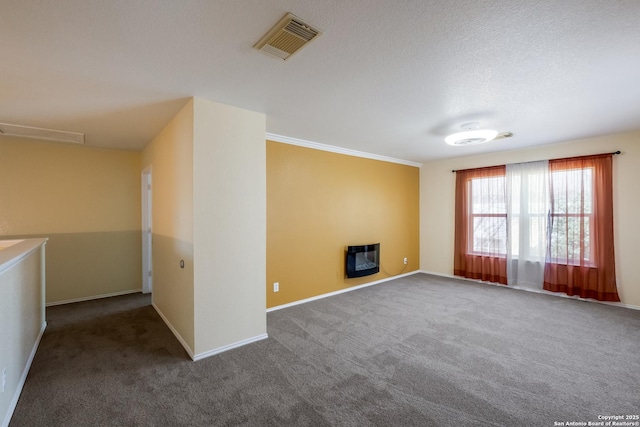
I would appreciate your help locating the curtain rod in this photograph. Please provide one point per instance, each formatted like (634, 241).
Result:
(613, 154)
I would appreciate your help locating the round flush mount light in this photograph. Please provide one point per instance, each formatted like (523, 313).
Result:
(471, 135)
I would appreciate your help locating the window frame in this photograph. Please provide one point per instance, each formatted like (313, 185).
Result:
(588, 262)
(471, 221)
(552, 216)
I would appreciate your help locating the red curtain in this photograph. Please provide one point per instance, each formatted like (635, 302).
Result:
(580, 257)
(479, 260)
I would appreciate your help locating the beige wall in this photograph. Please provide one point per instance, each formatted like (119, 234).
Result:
(437, 185)
(229, 225)
(318, 203)
(87, 201)
(170, 156)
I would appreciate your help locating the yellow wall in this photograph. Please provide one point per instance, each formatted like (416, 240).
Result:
(318, 203)
(170, 156)
(437, 185)
(87, 201)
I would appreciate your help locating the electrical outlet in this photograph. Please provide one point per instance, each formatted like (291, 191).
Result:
(276, 287)
(405, 261)
(3, 383)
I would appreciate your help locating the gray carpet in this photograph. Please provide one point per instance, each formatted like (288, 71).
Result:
(419, 351)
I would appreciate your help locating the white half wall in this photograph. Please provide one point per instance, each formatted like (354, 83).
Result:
(22, 317)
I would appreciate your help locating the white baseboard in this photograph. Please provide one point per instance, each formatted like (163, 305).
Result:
(174, 331)
(222, 349)
(618, 304)
(200, 356)
(450, 276)
(537, 291)
(23, 377)
(341, 291)
(113, 294)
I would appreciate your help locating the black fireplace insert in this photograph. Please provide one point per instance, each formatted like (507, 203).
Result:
(362, 260)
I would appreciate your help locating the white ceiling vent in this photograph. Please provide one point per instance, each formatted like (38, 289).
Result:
(287, 37)
(39, 133)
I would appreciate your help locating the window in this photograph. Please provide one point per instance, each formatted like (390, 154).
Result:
(528, 210)
(488, 216)
(481, 225)
(571, 218)
(547, 224)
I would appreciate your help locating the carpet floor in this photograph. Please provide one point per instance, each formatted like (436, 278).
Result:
(416, 351)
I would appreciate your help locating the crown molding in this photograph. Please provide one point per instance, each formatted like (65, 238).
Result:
(339, 150)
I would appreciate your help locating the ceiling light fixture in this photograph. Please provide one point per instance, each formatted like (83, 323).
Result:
(39, 133)
(471, 135)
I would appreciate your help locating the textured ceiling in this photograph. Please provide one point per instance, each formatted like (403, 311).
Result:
(389, 78)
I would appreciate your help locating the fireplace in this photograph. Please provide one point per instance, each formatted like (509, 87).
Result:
(362, 260)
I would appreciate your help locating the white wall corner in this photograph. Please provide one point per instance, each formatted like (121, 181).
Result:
(175, 332)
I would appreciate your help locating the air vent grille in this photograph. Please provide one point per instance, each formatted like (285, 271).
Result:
(301, 30)
(287, 37)
(503, 135)
(39, 133)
